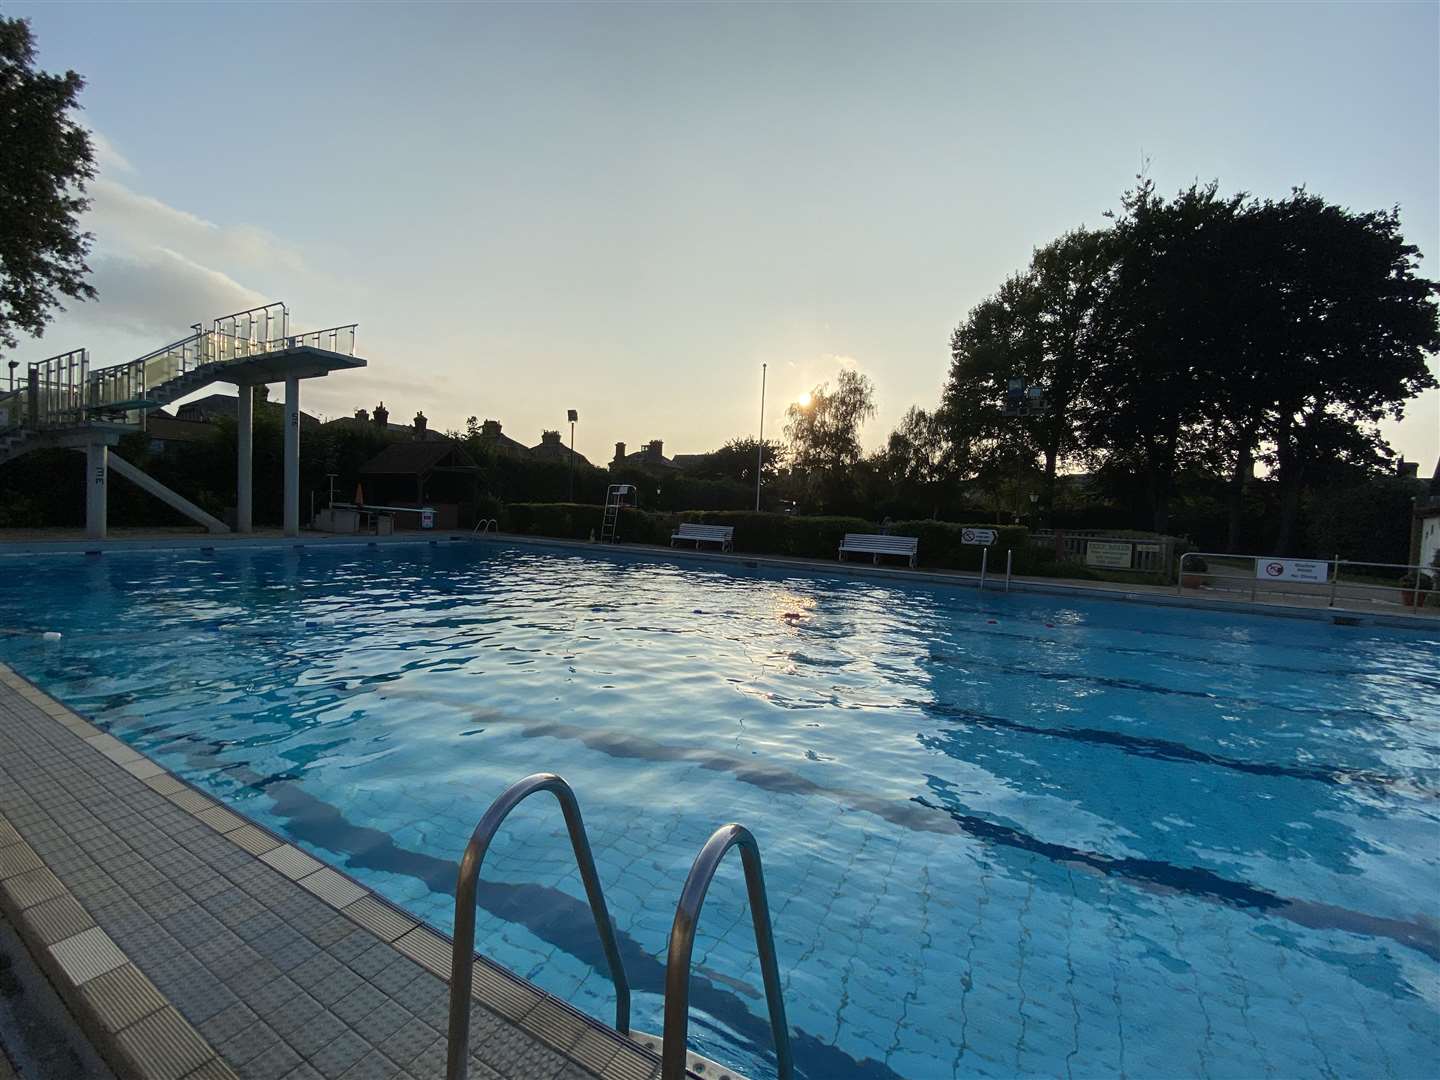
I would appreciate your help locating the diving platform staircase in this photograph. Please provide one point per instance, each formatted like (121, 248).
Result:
(65, 403)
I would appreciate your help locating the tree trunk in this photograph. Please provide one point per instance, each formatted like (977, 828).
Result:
(1240, 479)
(1289, 473)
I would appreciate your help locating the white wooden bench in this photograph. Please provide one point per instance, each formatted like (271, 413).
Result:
(871, 544)
(724, 535)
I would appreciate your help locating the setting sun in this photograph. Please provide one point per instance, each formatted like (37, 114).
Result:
(803, 400)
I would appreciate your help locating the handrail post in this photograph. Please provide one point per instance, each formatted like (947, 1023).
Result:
(1334, 578)
(984, 559)
(1009, 557)
(674, 1038)
(462, 957)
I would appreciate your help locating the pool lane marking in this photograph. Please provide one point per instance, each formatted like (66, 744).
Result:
(918, 814)
(1196, 883)
(77, 959)
(1166, 750)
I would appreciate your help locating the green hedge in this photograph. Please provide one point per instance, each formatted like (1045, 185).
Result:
(797, 535)
(803, 536)
(941, 546)
(581, 521)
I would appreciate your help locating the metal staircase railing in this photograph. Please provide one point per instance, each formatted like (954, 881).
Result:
(682, 945)
(462, 960)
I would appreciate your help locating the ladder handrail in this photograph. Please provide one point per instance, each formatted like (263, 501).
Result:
(462, 959)
(483, 526)
(682, 944)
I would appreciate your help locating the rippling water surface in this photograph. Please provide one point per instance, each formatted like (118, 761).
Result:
(1009, 835)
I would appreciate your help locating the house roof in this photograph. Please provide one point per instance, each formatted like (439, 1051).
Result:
(159, 424)
(417, 458)
(429, 435)
(201, 410)
(555, 452)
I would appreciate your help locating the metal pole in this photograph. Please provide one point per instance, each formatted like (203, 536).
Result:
(1009, 557)
(1334, 578)
(245, 453)
(1180, 575)
(760, 451)
(984, 559)
(292, 456)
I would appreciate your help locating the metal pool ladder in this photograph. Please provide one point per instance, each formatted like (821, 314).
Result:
(682, 943)
(682, 932)
(462, 958)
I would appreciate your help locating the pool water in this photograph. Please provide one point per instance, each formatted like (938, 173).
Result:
(1003, 835)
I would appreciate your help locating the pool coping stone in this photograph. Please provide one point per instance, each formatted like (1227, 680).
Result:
(55, 891)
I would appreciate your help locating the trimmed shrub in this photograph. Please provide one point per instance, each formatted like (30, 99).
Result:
(581, 521)
(803, 536)
(941, 546)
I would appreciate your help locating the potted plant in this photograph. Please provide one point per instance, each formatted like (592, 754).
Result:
(1195, 570)
(1413, 589)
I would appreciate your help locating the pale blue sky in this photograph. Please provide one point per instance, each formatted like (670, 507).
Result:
(626, 209)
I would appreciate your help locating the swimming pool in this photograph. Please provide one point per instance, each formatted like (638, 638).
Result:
(1003, 835)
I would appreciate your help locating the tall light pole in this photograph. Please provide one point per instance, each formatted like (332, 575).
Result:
(760, 450)
(573, 416)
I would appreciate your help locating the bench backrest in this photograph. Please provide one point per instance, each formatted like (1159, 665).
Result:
(881, 545)
(691, 531)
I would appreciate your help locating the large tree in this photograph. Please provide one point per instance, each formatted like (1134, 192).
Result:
(45, 161)
(823, 434)
(1343, 329)
(1167, 329)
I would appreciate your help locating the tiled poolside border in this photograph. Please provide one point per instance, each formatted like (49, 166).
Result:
(192, 944)
(1162, 596)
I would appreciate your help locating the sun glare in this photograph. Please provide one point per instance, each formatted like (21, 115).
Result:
(803, 400)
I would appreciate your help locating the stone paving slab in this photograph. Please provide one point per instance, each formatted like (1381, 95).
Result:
(193, 945)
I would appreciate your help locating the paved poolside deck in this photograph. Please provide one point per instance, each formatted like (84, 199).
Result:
(193, 945)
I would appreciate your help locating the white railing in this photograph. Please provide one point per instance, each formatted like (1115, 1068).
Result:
(63, 392)
(1104, 551)
(1396, 585)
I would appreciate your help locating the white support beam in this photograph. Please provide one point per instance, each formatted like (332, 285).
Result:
(97, 470)
(148, 483)
(292, 456)
(245, 450)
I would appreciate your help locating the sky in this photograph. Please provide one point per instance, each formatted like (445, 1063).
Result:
(628, 209)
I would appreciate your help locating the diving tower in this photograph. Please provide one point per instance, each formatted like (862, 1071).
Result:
(66, 404)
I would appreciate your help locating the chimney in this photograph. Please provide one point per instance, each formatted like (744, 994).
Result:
(550, 438)
(1407, 470)
(420, 425)
(362, 415)
(653, 450)
(382, 415)
(490, 429)
(619, 452)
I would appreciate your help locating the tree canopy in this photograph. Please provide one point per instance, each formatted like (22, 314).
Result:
(46, 162)
(1201, 332)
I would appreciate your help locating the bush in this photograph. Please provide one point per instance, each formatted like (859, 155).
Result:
(582, 521)
(941, 545)
(802, 536)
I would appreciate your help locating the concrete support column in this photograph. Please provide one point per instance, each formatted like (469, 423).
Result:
(97, 475)
(245, 447)
(292, 456)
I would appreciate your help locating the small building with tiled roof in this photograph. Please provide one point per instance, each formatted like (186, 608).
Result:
(434, 472)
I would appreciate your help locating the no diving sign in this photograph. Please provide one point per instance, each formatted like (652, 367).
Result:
(983, 537)
(1315, 571)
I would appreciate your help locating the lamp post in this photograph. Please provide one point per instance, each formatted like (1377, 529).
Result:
(13, 365)
(573, 416)
(760, 450)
